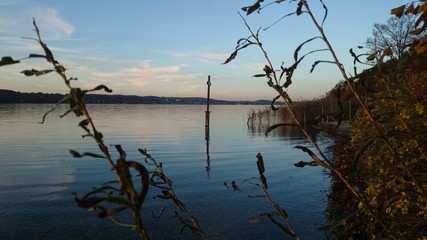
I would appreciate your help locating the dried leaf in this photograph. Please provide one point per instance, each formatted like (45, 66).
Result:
(313, 156)
(299, 8)
(260, 163)
(259, 75)
(7, 61)
(78, 155)
(326, 13)
(302, 164)
(65, 98)
(102, 87)
(253, 8)
(398, 12)
(231, 57)
(371, 57)
(317, 62)
(33, 55)
(410, 9)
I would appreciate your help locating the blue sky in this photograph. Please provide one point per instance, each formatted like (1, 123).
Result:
(168, 48)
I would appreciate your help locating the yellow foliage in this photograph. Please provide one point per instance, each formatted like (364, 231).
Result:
(395, 163)
(419, 108)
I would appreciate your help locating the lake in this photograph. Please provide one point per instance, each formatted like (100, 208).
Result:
(38, 175)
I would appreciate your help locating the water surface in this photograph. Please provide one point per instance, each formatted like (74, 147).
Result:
(37, 174)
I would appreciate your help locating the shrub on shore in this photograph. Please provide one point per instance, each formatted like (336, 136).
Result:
(392, 180)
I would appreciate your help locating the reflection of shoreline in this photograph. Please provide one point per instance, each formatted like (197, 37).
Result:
(258, 122)
(287, 132)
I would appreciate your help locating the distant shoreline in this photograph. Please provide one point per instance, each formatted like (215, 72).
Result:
(10, 96)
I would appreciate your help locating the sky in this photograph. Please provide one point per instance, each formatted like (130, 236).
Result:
(168, 48)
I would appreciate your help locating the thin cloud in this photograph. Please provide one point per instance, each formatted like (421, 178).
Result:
(145, 70)
(146, 74)
(202, 56)
(50, 20)
(16, 18)
(188, 87)
(25, 46)
(173, 54)
(215, 58)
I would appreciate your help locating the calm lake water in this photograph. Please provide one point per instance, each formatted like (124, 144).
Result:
(37, 173)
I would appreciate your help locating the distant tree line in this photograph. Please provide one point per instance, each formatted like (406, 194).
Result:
(9, 96)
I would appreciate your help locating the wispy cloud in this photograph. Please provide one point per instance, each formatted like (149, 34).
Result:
(16, 17)
(50, 19)
(173, 54)
(147, 75)
(188, 87)
(204, 56)
(145, 70)
(26, 46)
(215, 58)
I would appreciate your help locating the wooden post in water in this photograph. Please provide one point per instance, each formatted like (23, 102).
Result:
(207, 113)
(207, 122)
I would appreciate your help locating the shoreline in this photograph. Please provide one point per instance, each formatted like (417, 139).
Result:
(341, 202)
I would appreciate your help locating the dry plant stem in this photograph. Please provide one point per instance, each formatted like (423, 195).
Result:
(326, 162)
(60, 71)
(81, 104)
(337, 62)
(196, 225)
(139, 226)
(193, 220)
(282, 214)
(197, 229)
(362, 104)
(288, 104)
(262, 48)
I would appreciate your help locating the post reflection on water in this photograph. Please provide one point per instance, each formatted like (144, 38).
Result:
(208, 158)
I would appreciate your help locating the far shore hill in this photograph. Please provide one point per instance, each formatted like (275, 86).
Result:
(9, 96)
